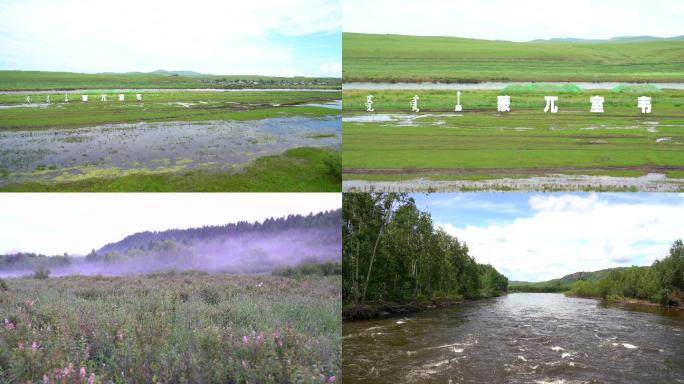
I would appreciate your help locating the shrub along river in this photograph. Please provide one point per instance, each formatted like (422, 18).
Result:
(519, 338)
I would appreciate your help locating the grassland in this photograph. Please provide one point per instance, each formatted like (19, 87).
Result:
(480, 143)
(38, 80)
(171, 328)
(395, 58)
(158, 106)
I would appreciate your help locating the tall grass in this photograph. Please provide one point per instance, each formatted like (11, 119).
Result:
(169, 328)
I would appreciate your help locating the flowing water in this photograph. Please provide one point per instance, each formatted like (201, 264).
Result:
(67, 154)
(519, 338)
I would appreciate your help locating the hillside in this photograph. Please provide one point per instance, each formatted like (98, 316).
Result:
(560, 284)
(236, 247)
(398, 58)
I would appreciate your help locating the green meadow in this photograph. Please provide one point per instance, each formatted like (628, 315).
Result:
(40, 80)
(397, 58)
(480, 143)
(157, 106)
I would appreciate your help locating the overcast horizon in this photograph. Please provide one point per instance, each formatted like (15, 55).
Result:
(259, 37)
(543, 236)
(519, 21)
(57, 223)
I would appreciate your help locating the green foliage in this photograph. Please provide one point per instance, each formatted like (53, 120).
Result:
(663, 282)
(309, 269)
(391, 251)
(334, 164)
(41, 273)
(186, 327)
(3, 285)
(396, 58)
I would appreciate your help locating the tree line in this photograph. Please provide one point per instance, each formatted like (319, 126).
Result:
(392, 251)
(662, 282)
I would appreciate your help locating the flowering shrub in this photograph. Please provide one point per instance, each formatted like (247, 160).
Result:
(170, 329)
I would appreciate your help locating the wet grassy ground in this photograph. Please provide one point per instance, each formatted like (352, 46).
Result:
(479, 143)
(171, 141)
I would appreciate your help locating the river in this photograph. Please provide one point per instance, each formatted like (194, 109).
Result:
(519, 338)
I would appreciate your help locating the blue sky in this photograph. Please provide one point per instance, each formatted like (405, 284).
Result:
(535, 237)
(264, 37)
(516, 20)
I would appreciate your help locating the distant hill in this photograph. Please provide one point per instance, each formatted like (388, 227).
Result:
(178, 73)
(618, 38)
(559, 284)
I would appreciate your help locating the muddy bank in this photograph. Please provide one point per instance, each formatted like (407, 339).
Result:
(652, 182)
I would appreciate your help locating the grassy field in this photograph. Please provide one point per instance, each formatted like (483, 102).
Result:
(171, 328)
(297, 170)
(395, 58)
(480, 143)
(38, 80)
(158, 106)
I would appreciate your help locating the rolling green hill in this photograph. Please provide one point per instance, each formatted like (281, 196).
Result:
(397, 58)
(558, 285)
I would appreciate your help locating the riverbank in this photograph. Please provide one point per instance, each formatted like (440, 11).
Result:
(629, 301)
(390, 309)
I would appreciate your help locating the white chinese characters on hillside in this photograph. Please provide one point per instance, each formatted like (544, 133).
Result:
(596, 104)
(458, 107)
(503, 103)
(644, 102)
(103, 98)
(414, 104)
(66, 97)
(121, 97)
(28, 99)
(551, 104)
(369, 103)
(138, 96)
(84, 98)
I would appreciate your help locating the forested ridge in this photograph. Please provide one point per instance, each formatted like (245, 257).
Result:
(393, 252)
(242, 246)
(662, 282)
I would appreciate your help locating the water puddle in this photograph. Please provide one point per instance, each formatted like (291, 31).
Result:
(67, 154)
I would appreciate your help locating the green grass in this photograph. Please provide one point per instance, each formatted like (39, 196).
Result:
(395, 58)
(171, 327)
(35, 80)
(297, 170)
(484, 144)
(159, 106)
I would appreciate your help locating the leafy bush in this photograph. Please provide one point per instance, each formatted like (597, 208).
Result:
(310, 268)
(334, 164)
(3, 285)
(41, 273)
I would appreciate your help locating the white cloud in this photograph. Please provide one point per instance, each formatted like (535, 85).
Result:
(570, 233)
(331, 68)
(520, 20)
(53, 223)
(221, 37)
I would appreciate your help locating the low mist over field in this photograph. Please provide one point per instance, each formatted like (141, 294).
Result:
(240, 248)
